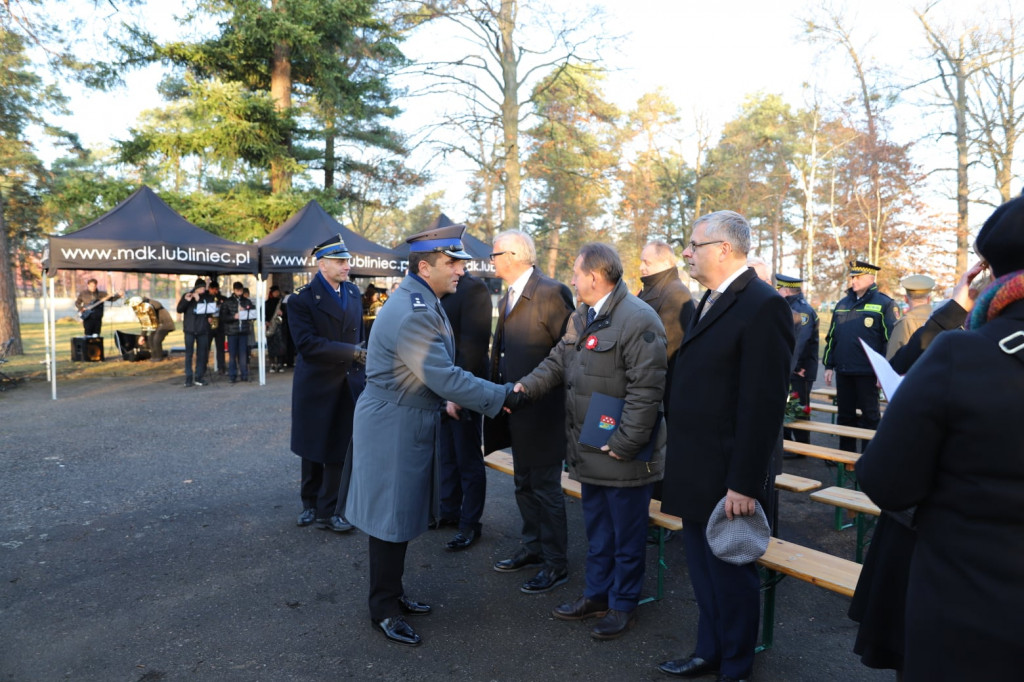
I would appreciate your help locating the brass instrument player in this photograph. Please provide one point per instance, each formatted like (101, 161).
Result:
(198, 308)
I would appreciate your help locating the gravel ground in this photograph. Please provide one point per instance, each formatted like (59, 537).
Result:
(147, 532)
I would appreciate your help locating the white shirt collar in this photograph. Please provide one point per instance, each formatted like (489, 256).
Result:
(600, 304)
(520, 284)
(730, 279)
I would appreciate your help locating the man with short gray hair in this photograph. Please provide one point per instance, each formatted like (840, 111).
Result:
(531, 319)
(731, 379)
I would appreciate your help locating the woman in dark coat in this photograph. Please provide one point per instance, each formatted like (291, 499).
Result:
(882, 588)
(951, 446)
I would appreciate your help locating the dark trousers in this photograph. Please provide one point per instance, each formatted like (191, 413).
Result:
(727, 602)
(853, 392)
(217, 338)
(238, 356)
(387, 566)
(319, 489)
(199, 344)
(91, 325)
(542, 506)
(463, 477)
(156, 344)
(616, 523)
(802, 387)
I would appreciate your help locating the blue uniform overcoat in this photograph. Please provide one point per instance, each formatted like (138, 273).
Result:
(326, 383)
(410, 370)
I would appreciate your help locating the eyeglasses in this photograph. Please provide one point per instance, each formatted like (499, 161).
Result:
(693, 246)
(494, 255)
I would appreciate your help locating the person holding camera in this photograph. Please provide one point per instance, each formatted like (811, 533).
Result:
(197, 305)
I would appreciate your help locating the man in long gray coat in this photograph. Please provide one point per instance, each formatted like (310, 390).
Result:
(410, 372)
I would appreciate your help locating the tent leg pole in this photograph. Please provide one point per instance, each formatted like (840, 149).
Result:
(53, 342)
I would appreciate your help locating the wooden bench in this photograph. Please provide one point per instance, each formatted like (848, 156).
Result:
(831, 429)
(781, 559)
(860, 504)
(796, 484)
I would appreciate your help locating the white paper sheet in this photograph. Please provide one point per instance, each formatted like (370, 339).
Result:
(887, 376)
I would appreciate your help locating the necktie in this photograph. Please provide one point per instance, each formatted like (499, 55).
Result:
(712, 297)
(510, 301)
(591, 314)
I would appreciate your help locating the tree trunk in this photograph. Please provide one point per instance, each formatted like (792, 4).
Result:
(962, 228)
(329, 156)
(10, 327)
(281, 93)
(510, 113)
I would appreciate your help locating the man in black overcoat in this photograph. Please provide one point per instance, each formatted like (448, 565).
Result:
(728, 400)
(531, 320)
(463, 476)
(326, 322)
(666, 293)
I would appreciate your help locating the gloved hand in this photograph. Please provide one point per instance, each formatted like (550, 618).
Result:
(359, 356)
(515, 401)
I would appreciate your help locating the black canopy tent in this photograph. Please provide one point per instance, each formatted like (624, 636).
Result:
(142, 234)
(288, 248)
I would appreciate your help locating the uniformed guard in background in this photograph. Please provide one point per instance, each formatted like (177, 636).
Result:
(326, 323)
(919, 298)
(864, 313)
(805, 352)
(410, 373)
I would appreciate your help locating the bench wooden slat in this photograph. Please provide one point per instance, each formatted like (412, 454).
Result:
(796, 484)
(820, 452)
(846, 498)
(831, 429)
(501, 460)
(818, 568)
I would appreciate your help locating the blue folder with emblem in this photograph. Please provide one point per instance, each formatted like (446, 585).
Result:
(603, 417)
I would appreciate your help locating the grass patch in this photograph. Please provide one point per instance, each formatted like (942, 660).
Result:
(31, 365)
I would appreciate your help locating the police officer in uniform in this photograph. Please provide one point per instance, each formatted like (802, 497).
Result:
(864, 313)
(919, 291)
(805, 352)
(410, 374)
(326, 324)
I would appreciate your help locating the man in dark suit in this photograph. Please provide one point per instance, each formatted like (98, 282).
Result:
(326, 323)
(729, 396)
(463, 476)
(531, 320)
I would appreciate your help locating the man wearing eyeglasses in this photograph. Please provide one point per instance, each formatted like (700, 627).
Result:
(864, 313)
(728, 400)
(531, 319)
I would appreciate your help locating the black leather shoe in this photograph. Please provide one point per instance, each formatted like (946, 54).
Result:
(462, 540)
(398, 631)
(336, 523)
(693, 666)
(580, 609)
(546, 580)
(614, 624)
(413, 608)
(442, 523)
(521, 560)
(306, 517)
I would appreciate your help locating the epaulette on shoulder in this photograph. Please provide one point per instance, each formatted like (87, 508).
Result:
(301, 289)
(418, 304)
